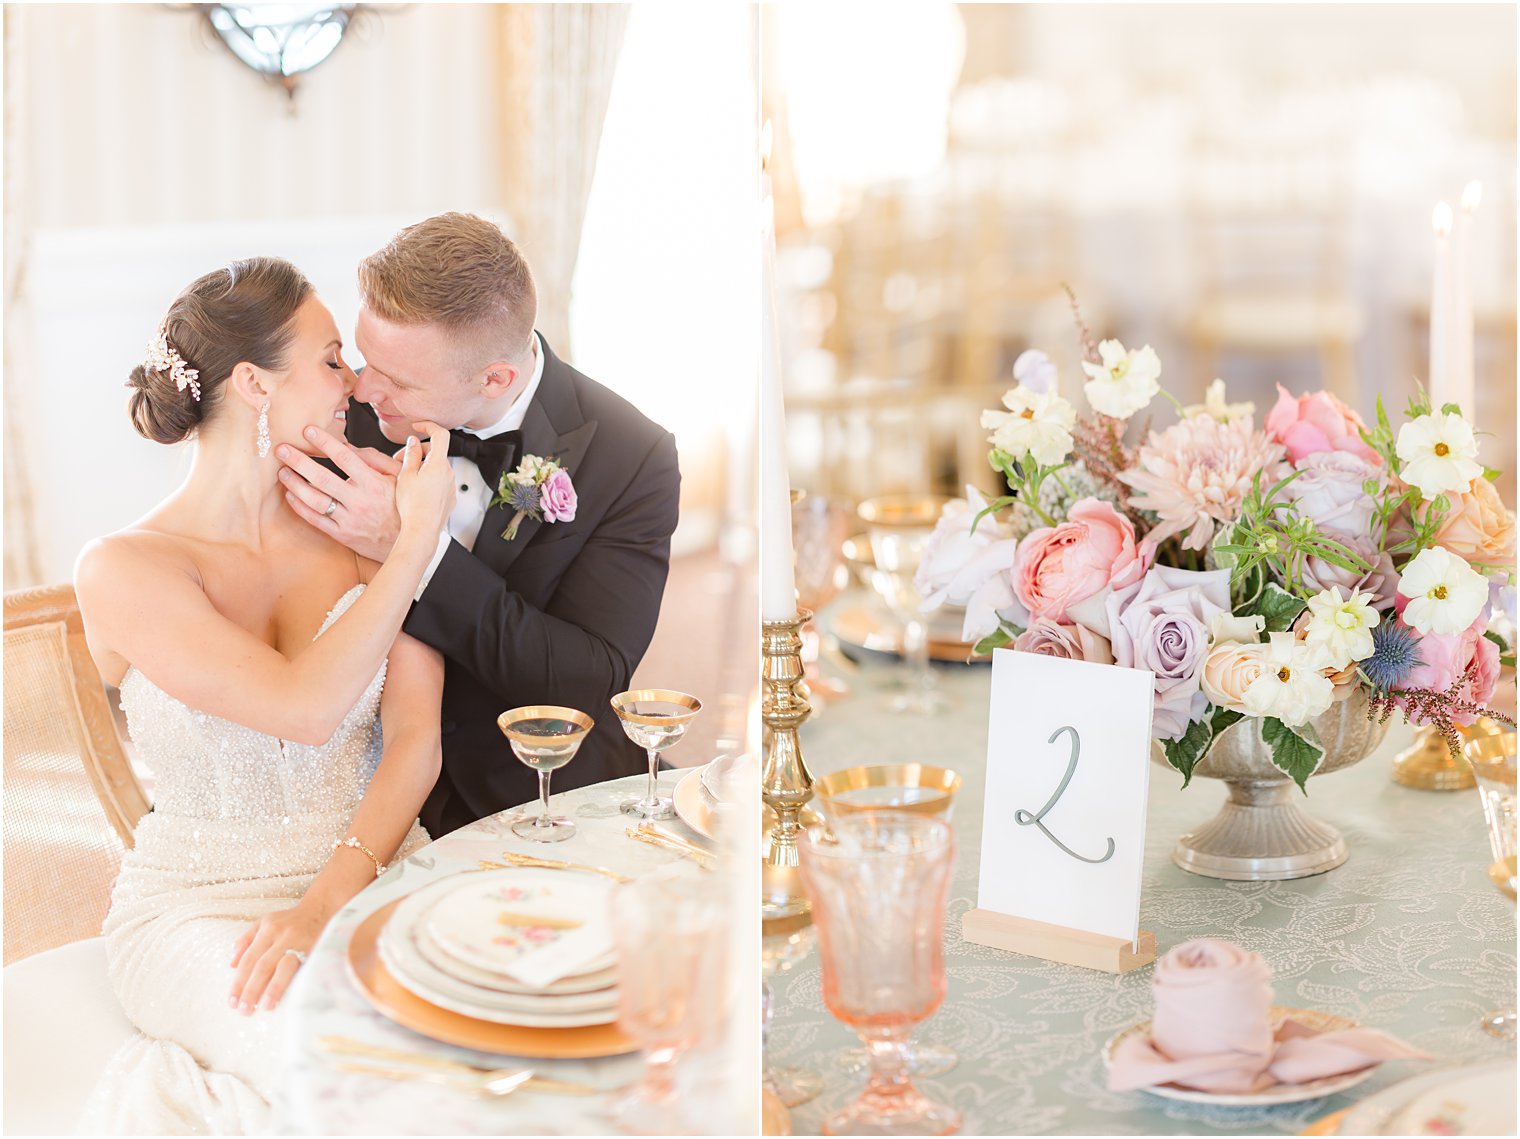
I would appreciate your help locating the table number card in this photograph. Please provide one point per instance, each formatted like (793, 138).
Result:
(1063, 828)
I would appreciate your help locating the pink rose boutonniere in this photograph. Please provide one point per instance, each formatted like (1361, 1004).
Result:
(539, 489)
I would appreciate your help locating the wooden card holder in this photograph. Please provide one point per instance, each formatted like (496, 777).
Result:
(1057, 943)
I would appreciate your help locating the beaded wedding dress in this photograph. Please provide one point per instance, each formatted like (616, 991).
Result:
(241, 824)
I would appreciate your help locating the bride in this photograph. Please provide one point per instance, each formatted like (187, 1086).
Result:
(253, 654)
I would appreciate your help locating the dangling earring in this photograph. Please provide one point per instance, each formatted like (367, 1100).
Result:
(264, 430)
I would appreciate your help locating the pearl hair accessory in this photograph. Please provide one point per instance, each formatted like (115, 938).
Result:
(164, 357)
(263, 440)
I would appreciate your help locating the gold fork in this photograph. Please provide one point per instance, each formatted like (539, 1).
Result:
(511, 858)
(343, 1045)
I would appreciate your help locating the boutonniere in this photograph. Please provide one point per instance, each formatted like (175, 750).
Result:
(539, 489)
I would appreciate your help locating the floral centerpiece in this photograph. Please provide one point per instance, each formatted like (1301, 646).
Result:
(1263, 572)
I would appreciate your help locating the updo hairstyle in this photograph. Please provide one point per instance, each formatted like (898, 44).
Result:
(244, 312)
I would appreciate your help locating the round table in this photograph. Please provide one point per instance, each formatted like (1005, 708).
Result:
(1408, 936)
(316, 1098)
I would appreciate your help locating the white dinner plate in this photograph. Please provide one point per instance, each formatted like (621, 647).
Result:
(469, 921)
(1385, 1112)
(601, 973)
(1278, 1093)
(418, 977)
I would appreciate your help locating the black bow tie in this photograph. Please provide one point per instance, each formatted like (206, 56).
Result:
(492, 456)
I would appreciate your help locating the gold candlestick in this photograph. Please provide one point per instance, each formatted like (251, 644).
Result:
(786, 785)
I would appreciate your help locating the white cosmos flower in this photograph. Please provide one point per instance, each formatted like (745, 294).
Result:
(1036, 423)
(1445, 593)
(1125, 381)
(1214, 404)
(1341, 629)
(1439, 454)
(1290, 687)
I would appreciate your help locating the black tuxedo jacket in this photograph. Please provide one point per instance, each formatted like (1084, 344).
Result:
(563, 612)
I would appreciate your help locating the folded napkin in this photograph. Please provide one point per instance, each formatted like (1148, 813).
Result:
(1212, 1030)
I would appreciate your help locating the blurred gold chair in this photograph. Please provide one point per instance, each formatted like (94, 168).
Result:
(71, 799)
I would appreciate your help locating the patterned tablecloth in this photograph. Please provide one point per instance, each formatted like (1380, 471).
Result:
(1408, 935)
(318, 1099)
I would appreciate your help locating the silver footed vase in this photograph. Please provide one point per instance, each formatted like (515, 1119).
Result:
(1262, 833)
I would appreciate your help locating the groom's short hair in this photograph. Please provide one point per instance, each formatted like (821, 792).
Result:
(459, 271)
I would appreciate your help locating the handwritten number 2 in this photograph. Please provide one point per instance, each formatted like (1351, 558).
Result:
(1025, 819)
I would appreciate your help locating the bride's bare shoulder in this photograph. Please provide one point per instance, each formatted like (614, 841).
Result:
(130, 558)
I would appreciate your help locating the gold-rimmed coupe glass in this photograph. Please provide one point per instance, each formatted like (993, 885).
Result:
(655, 719)
(899, 527)
(1493, 764)
(544, 737)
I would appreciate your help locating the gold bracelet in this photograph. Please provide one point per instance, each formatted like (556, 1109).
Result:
(359, 846)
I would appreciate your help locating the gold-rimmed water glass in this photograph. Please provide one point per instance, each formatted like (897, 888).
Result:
(917, 788)
(1493, 765)
(655, 719)
(820, 527)
(673, 939)
(544, 737)
(878, 882)
(899, 528)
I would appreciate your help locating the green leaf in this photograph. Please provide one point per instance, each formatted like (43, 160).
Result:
(1279, 607)
(1490, 474)
(1497, 639)
(1451, 409)
(1224, 717)
(1292, 754)
(993, 640)
(1184, 753)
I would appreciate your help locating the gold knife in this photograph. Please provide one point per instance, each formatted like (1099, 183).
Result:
(342, 1045)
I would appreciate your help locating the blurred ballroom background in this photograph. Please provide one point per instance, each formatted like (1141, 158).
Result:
(1247, 188)
(140, 152)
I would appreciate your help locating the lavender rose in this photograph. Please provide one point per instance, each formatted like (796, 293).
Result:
(1162, 624)
(1045, 637)
(1330, 491)
(557, 497)
(1381, 581)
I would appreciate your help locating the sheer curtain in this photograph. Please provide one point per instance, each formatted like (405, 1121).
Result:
(667, 286)
(558, 66)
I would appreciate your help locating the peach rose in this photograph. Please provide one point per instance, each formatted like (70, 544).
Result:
(1093, 550)
(1228, 671)
(1317, 422)
(1478, 528)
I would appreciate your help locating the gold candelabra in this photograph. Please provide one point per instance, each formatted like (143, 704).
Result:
(786, 784)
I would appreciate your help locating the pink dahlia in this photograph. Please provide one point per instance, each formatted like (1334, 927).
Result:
(1197, 472)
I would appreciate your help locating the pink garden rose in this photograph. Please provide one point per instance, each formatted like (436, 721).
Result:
(1058, 566)
(556, 497)
(1317, 422)
(1446, 656)
(1069, 642)
(1329, 490)
(1162, 624)
(1478, 528)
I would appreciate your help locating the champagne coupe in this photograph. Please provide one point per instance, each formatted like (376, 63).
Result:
(672, 935)
(878, 882)
(544, 737)
(899, 527)
(654, 718)
(1493, 763)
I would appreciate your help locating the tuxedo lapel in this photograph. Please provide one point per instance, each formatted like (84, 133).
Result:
(552, 428)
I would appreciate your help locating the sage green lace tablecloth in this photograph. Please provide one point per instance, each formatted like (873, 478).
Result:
(1408, 936)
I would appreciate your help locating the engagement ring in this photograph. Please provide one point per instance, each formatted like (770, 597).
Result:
(298, 955)
(332, 505)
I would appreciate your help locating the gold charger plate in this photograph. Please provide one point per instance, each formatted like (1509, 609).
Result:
(411, 1011)
(859, 627)
(1279, 1093)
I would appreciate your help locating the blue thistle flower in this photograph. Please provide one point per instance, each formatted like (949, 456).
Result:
(1395, 654)
(523, 497)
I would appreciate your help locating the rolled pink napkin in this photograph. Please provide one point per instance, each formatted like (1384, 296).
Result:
(1212, 1030)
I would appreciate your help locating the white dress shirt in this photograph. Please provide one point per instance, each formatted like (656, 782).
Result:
(473, 493)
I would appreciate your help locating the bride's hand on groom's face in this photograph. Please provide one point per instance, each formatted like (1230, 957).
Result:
(267, 956)
(360, 512)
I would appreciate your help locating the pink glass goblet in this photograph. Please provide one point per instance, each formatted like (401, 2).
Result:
(878, 883)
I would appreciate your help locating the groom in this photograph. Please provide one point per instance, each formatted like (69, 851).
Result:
(561, 612)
